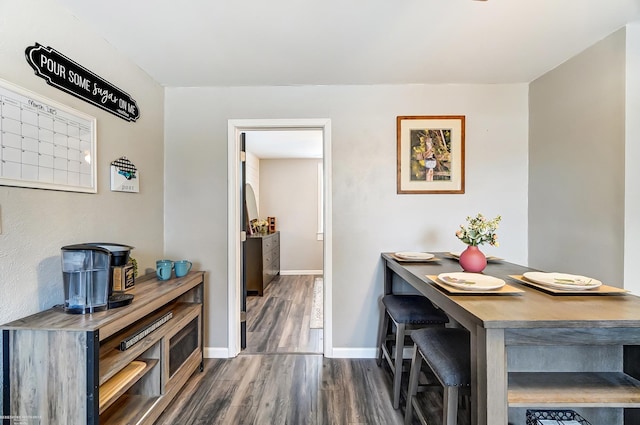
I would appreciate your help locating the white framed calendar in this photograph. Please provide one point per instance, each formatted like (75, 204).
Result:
(45, 144)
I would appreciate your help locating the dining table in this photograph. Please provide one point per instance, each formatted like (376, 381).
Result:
(505, 322)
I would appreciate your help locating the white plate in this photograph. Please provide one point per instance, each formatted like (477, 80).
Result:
(456, 254)
(414, 255)
(471, 281)
(564, 281)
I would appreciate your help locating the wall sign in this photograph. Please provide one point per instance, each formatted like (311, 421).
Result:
(44, 144)
(61, 72)
(124, 176)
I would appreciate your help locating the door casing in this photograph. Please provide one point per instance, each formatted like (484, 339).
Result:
(235, 127)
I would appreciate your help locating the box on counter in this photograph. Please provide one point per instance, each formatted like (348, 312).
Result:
(123, 278)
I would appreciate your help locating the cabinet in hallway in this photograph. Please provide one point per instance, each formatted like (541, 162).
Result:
(262, 260)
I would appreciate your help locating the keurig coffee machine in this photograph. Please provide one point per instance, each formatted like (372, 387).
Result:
(121, 276)
(85, 274)
(96, 276)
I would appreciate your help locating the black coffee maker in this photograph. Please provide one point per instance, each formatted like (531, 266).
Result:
(119, 258)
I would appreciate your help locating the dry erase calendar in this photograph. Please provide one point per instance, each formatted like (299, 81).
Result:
(44, 144)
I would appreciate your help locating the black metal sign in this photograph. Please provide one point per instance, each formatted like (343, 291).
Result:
(61, 72)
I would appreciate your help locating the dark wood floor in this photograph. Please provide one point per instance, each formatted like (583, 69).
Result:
(291, 389)
(277, 382)
(279, 321)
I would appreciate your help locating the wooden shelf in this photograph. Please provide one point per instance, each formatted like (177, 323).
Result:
(128, 409)
(122, 381)
(573, 389)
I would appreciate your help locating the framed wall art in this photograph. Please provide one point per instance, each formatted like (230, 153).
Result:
(430, 154)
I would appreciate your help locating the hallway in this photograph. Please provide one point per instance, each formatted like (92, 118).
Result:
(280, 320)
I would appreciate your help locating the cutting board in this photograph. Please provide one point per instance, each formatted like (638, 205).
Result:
(120, 380)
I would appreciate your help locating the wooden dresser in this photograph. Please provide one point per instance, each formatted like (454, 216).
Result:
(262, 261)
(120, 366)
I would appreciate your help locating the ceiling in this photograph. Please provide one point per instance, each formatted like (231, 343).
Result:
(197, 43)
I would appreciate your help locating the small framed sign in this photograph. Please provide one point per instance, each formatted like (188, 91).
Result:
(124, 176)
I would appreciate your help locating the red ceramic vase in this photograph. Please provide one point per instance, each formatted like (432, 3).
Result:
(472, 260)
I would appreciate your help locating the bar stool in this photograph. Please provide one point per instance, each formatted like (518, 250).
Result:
(447, 353)
(408, 313)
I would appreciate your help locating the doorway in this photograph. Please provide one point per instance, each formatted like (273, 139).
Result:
(284, 266)
(235, 128)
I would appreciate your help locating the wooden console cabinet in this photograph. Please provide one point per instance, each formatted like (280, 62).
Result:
(262, 261)
(62, 368)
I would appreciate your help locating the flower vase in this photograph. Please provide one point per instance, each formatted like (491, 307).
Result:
(472, 260)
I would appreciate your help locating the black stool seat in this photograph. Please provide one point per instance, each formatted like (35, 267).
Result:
(406, 313)
(446, 351)
(413, 309)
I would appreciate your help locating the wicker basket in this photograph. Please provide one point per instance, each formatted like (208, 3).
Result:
(534, 417)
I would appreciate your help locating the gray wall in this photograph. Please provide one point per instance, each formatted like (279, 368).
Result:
(369, 217)
(289, 192)
(36, 223)
(576, 164)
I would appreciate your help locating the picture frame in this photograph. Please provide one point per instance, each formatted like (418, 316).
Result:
(253, 227)
(430, 154)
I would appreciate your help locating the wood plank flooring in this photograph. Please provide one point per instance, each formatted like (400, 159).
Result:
(275, 381)
(291, 389)
(279, 321)
(294, 389)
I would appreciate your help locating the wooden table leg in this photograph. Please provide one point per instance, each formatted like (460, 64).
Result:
(489, 404)
(388, 279)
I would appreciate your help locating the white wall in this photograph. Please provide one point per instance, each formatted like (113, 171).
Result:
(36, 223)
(369, 217)
(632, 160)
(290, 193)
(577, 160)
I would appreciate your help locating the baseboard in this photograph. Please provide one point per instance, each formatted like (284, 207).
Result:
(300, 272)
(354, 353)
(216, 353)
